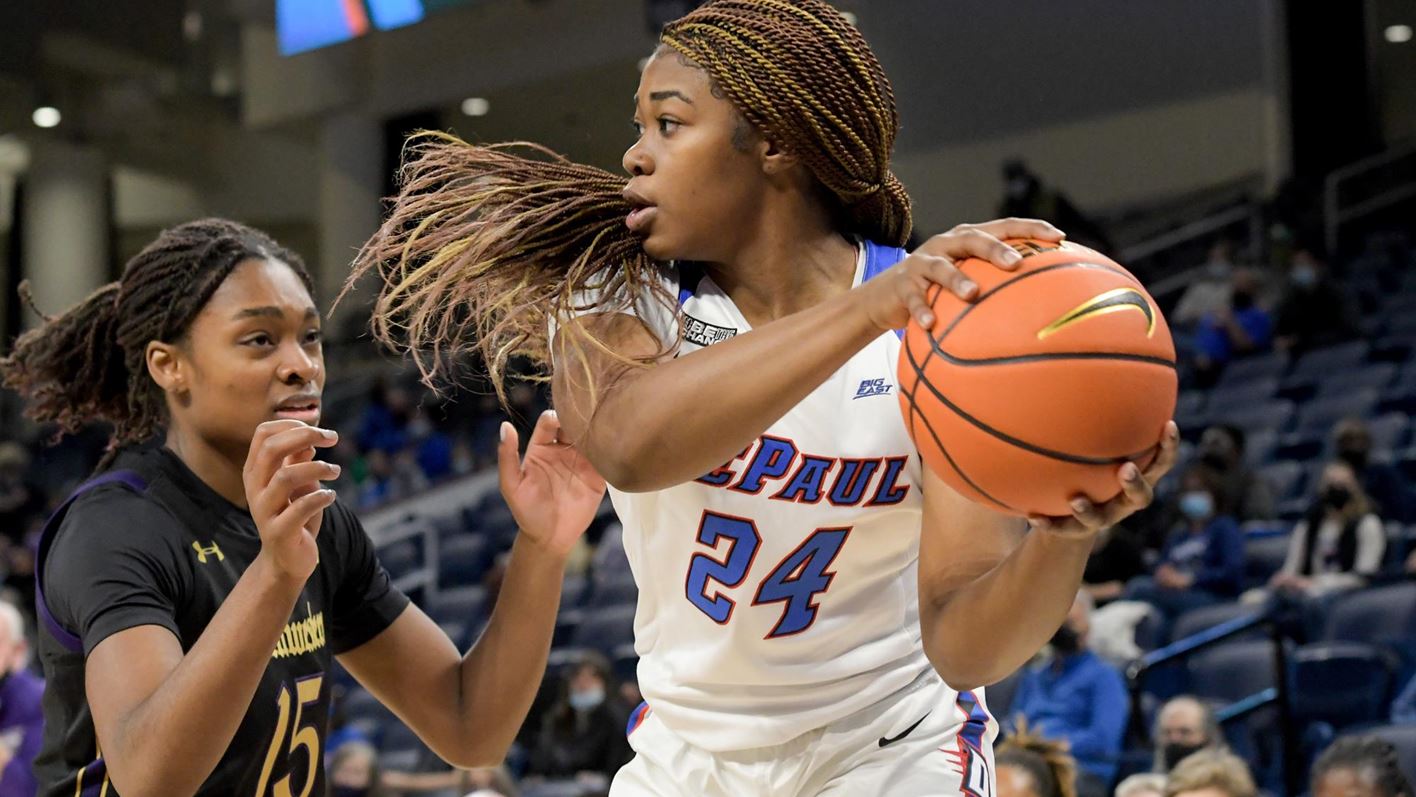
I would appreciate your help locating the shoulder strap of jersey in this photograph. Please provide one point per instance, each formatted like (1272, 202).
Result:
(64, 636)
(878, 258)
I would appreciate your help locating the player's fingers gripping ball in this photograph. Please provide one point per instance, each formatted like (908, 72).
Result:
(1040, 389)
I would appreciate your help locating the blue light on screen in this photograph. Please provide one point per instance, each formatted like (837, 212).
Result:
(303, 25)
(388, 14)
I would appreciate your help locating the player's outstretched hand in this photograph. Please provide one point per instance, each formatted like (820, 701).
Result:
(282, 481)
(553, 491)
(1137, 491)
(898, 295)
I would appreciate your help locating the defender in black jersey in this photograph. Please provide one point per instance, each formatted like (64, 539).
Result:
(194, 595)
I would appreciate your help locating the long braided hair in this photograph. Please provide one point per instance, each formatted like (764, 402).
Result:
(486, 247)
(88, 364)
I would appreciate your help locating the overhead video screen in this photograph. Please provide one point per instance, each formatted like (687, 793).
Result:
(303, 25)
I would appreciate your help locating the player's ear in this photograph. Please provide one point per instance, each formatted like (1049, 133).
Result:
(776, 160)
(167, 367)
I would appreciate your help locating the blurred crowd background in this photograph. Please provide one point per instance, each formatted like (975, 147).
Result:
(1253, 161)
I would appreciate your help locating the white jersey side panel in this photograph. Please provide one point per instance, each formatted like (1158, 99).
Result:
(779, 592)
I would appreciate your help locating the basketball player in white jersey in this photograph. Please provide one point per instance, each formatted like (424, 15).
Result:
(817, 613)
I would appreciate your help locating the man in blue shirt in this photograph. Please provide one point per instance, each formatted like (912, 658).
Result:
(1076, 695)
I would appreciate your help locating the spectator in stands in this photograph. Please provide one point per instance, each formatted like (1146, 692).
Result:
(1079, 697)
(1242, 493)
(1142, 784)
(21, 715)
(1211, 773)
(1338, 544)
(1118, 556)
(1209, 293)
(1202, 562)
(1185, 726)
(1360, 766)
(1024, 195)
(1392, 495)
(354, 771)
(583, 735)
(1027, 765)
(1316, 310)
(22, 502)
(1237, 327)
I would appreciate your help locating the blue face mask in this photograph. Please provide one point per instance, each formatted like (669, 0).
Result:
(1196, 505)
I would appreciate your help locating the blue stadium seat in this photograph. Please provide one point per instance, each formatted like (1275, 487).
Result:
(617, 592)
(1263, 556)
(1342, 683)
(1274, 415)
(1319, 364)
(1376, 376)
(574, 590)
(1320, 415)
(1390, 432)
(400, 558)
(1232, 671)
(625, 663)
(1284, 478)
(398, 736)
(1190, 402)
(1254, 391)
(1380, 616)
(1259, 446)
(606, 629)
(999, 696)
(1259, 366)
(460, 604)
(463, 561)
(1197, 620)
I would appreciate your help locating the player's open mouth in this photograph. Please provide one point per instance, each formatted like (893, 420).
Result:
(304, 408)
(639, 219)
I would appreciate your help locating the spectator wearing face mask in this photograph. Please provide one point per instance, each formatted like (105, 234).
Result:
(1238, 326)
(1316, 310)
(583, 734)
(1209, 293)
(1183, 727)
(354, 771)
(1392, 496)
(1078, 697)
(1338, 544)
(1242, 492)
(1203, 559)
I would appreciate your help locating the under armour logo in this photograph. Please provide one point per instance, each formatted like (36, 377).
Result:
(212, 550)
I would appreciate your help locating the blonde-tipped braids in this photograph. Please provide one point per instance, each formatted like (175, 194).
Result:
(486, 246)
(802, 74)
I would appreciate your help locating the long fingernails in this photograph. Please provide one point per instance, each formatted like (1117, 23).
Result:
(1130, 472)
(1080, 504)
(329, 434)
(926, 319)
(1012, 258)
(505, 427)
(335, 469)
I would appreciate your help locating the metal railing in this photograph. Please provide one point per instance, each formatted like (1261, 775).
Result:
(1394, 174)
(1277, 696)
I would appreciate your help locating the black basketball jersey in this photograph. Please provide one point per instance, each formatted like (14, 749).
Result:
(151, 544)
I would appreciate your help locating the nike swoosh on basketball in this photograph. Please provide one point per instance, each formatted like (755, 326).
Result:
(906, 732)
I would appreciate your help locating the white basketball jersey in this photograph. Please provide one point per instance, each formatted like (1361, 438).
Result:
(779, 592)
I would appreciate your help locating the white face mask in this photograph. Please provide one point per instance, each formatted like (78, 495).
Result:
(587, 700)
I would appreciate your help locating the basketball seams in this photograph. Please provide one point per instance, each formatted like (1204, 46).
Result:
(910, 395)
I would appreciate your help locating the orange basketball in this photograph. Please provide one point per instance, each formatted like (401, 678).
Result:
(1036, 392)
